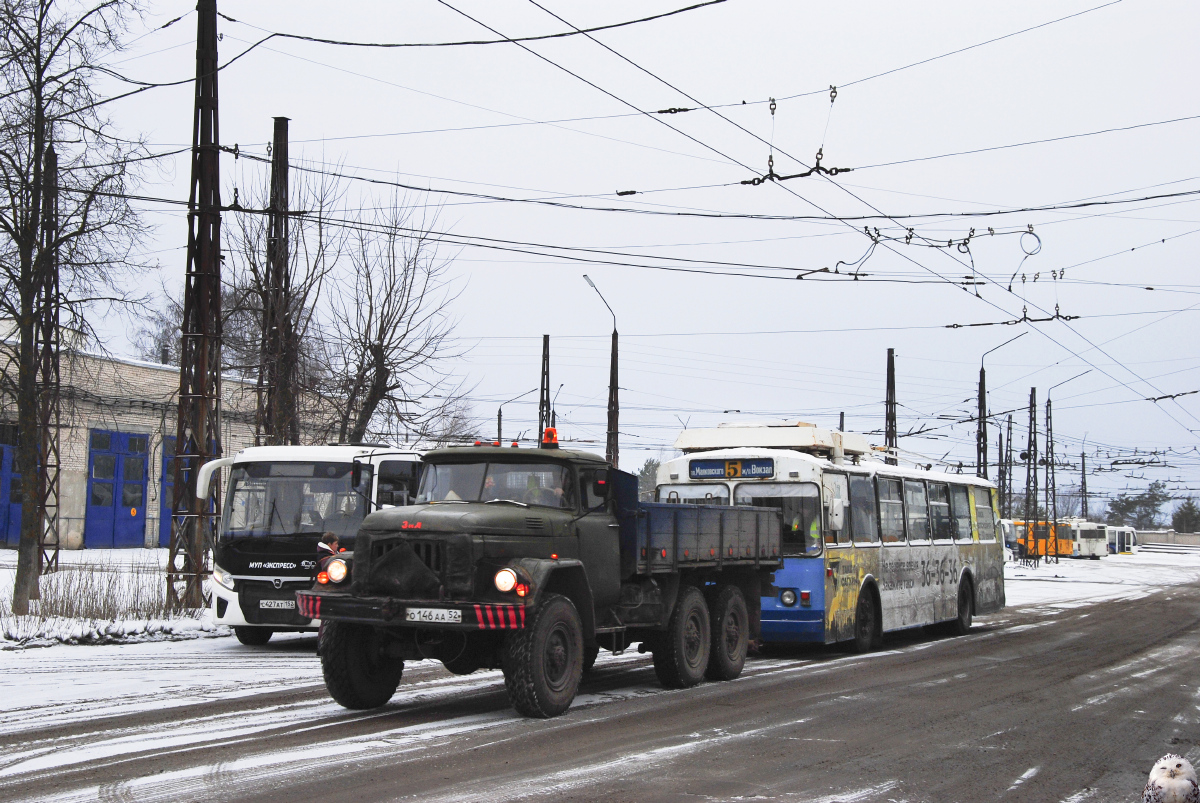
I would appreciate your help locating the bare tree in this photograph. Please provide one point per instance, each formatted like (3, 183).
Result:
(313, 250)
(389, 334)
(51, 55)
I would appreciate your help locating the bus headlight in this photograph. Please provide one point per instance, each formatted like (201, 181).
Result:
(788, 597)
(506, 580)
(337, 570)
(223, 578)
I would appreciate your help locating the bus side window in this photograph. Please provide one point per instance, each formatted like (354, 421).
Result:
(864, 520)
(891, 511)
(397, 482)
(983, 514)
(960, 500)
(939, 512)
(917, 508)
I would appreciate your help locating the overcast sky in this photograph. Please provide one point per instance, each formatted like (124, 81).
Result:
(759, 341)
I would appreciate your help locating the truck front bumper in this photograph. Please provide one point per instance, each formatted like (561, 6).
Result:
(435, 614)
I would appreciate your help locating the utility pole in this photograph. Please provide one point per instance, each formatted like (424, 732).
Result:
(1031, 481)
(47, 350)
(1051, 484)
(890, 439)
(1083, 484)
(611, 448)
(981, 443)
(841, 422)
(1008, 469)
(544, 393)
(1001, 473)
(198, 434)
(276, 421)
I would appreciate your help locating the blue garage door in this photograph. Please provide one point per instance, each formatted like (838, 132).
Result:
(117, 472)
(10, 499)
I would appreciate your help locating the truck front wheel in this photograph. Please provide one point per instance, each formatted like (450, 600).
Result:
(358, 672)
(543, 663)
(681, 653)
(730, 634)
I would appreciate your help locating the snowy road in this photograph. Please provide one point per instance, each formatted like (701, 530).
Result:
(1070, 694)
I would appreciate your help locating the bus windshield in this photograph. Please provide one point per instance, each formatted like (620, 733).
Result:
(543, 484)
(801, 506)
(268, 499)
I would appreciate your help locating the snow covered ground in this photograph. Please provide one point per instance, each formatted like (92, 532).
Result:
(1074, 583)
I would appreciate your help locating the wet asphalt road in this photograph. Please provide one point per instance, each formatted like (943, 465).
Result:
(1035, 704)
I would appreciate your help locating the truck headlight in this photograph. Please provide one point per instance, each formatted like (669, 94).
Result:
(223, 578)
(337, 570)
(506, 580)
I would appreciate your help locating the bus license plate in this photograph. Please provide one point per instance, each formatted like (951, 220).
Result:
(433, 615)
(287, 604)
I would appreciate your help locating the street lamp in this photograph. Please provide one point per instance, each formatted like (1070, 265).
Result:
(500, 415)
(981, 444)
(610, 449)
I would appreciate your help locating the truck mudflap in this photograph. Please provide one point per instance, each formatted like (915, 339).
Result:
(444, 615)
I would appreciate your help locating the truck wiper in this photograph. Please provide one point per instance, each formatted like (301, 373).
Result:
(509, 501)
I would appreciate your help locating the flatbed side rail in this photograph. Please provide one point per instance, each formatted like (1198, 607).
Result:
(674, 537)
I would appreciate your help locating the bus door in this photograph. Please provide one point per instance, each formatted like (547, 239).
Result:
(841, 570)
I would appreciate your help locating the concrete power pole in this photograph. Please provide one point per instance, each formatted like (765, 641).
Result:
(198, 434)
(890, 438)
(276, 420)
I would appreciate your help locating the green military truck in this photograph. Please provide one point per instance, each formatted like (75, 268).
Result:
(532, 560)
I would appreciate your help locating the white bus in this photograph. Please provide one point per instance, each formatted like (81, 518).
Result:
(279, 501)
(869, 547)
(1088, 539)
(1122, 540)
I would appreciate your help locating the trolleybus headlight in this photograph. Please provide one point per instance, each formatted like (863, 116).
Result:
(337, 570)
(506, 580)
(223, 578)
(788, 597)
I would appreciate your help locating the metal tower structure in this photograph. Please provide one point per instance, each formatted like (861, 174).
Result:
(1031, 479)
(1051, 487)
(47, 354)
(198, 434)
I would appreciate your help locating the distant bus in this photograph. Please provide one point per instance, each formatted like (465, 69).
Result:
(1088, 539)
(1122, 540)
(869, 547)
(1048, 539)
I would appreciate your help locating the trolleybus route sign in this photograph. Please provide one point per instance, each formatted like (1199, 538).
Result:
(758, 468)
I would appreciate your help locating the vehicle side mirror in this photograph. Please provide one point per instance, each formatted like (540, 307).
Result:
(836, 511)
(600, 488)
(356, 474)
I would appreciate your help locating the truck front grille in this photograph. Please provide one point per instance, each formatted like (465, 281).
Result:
(431, 553)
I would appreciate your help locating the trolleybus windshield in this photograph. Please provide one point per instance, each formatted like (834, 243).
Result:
(801, 506)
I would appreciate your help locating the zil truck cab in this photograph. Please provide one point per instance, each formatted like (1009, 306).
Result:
(278, 502)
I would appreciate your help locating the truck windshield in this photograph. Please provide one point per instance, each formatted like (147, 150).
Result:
(268, 499)
(543, 484)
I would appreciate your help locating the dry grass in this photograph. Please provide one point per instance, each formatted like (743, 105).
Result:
(100, 592)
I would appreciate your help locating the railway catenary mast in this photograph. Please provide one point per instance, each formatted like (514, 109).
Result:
(198, 433)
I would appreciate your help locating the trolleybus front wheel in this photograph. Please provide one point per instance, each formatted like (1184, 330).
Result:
(868, 632)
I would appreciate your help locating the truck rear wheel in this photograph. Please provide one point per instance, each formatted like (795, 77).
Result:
(357, 670)
(681, 653)
(730, 634)
(253, 636)
(543, 662)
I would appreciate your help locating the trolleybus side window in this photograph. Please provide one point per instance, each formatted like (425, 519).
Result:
(917, 508)
(706, 494)
(983, 514)
(800, 503)
(960, 498)
(940, 520)
(837, 510)
(891, 511)
(864, 520)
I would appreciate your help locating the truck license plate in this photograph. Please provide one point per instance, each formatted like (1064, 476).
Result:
(433, 615)
(288, 604)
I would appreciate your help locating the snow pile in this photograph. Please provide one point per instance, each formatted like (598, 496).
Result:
(18, 632)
